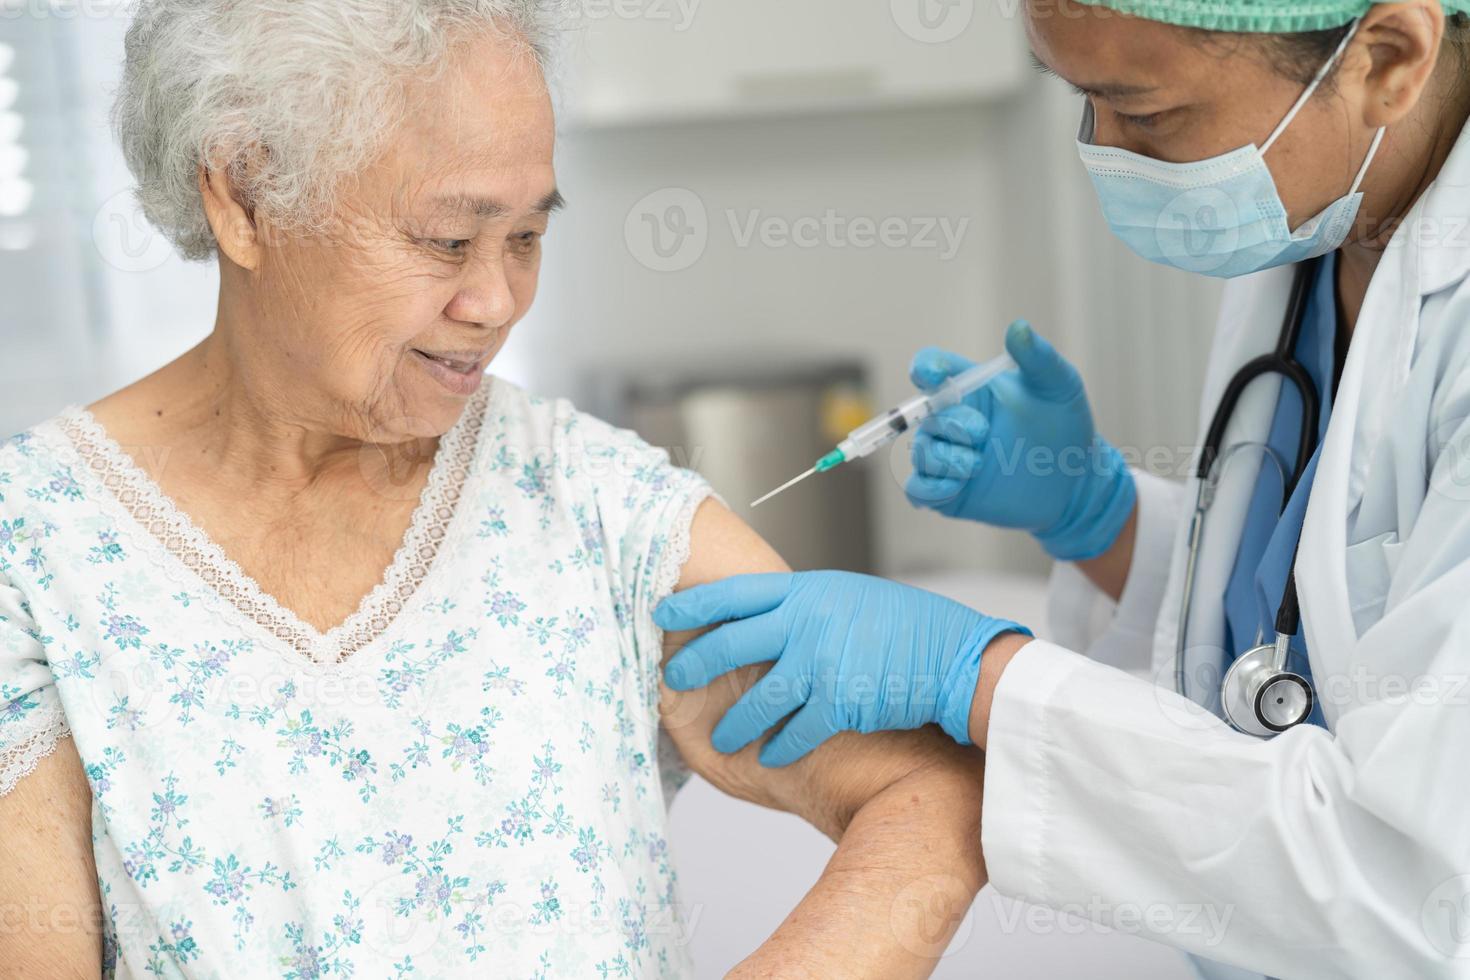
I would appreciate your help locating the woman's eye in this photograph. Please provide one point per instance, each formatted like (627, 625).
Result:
(453, 246)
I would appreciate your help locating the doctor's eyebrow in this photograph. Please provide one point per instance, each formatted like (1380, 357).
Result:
(1106, 90)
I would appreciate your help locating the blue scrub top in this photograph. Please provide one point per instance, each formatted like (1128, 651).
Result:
(1269, 540)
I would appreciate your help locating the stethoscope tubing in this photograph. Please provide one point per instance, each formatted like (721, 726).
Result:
(1210, 468)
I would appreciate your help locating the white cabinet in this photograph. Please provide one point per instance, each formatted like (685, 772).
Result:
(636, 61)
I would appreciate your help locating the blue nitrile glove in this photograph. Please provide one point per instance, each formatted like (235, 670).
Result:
(1022, 452)
(860, 653)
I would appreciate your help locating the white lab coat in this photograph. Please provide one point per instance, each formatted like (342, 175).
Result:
(1320, 853)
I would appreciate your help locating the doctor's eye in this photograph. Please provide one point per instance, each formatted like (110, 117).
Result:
(1141, 122)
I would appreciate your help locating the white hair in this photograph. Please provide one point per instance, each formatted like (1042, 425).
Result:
(288, 96)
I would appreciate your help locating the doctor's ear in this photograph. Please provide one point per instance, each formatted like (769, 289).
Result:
(230, 215)
(1394, 58)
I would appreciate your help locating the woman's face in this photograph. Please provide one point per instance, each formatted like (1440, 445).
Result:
(389, 319)
(1176, 95)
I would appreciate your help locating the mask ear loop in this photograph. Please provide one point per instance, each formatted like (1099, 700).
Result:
(1372, 151)
(1312, 87)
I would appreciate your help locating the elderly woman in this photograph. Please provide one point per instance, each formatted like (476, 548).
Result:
(322, 652)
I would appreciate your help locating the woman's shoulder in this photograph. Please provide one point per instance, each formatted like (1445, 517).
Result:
(35, 464)
(527, 421)
(508, 406)
(549, 444)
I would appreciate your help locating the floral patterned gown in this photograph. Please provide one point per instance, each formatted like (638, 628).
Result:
(462, 779)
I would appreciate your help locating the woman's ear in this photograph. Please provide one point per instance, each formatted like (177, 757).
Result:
(1402, 43)
(232, 221)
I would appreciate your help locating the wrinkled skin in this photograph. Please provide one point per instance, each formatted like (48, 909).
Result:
(300, 433)
(332, 320)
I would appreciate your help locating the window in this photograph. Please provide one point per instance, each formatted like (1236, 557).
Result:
(15, 191)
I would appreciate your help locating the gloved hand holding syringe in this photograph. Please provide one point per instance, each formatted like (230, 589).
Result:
(887, 426)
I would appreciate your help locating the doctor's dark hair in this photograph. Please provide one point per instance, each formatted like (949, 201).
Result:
(1299, 56)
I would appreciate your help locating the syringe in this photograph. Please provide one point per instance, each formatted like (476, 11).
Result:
(882, 429)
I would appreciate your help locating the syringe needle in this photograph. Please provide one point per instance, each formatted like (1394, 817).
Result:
(785, 486)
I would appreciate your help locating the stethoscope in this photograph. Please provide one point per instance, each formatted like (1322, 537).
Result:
(1258, 694)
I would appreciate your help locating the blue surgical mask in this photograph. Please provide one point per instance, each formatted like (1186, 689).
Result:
(1219, 217)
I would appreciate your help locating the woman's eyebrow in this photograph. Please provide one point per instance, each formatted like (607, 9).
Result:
(1107, 90)
(484, 207)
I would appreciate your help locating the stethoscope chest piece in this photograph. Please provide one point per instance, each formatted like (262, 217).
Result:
(1261, 697)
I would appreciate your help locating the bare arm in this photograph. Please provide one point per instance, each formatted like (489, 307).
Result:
(50, 908)
(904, 808)
(1109, 571)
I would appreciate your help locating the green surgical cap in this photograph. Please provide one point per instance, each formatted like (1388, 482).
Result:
(1257, 16)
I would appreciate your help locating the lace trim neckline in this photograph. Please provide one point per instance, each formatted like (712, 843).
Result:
(154, 511)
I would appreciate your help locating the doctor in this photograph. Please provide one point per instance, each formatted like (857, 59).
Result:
(1314, 151)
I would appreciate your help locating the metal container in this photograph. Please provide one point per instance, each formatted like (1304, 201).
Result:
(749, 430)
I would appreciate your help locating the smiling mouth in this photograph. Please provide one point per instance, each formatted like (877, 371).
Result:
(459, 364)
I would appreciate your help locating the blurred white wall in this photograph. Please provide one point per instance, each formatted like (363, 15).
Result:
(97, 298)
